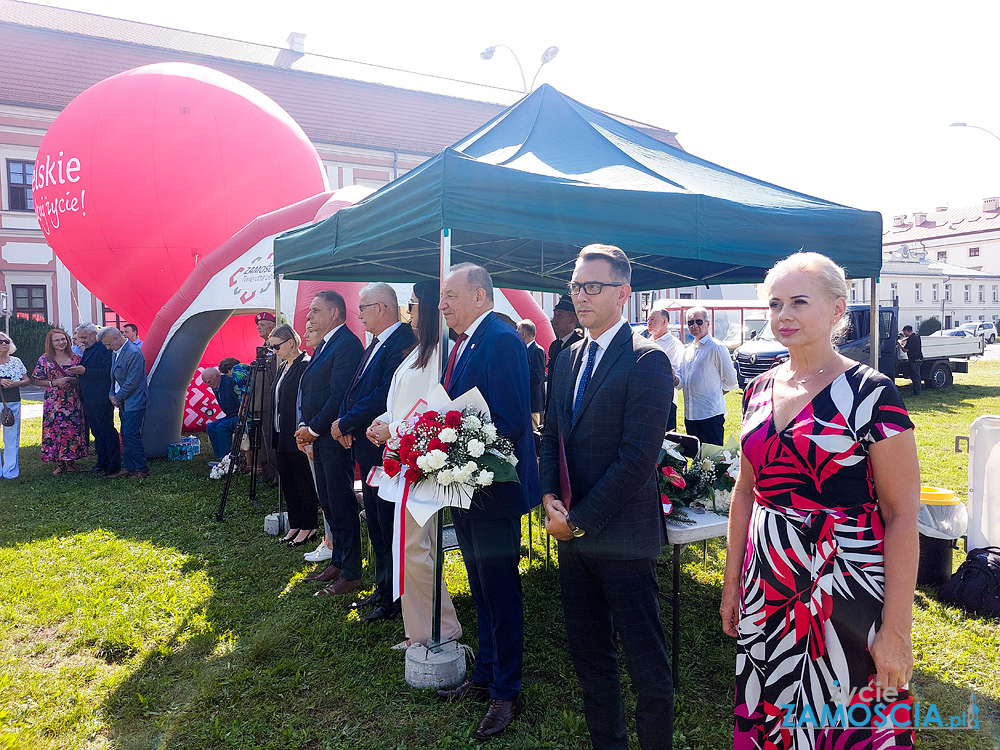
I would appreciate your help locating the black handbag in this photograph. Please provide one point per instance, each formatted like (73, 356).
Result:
(6, 414)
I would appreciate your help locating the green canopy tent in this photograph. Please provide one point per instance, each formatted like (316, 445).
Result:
(523, 193)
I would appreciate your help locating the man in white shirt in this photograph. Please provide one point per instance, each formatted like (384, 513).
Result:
(658, 325)
(708, 375)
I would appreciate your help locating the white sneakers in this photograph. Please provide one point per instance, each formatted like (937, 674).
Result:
(321, 553)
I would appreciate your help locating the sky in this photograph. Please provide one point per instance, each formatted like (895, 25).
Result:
(849, 101)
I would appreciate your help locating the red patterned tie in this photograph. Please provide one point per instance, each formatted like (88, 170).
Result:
(452, 358)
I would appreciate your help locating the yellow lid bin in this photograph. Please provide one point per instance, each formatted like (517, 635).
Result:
(938, 496)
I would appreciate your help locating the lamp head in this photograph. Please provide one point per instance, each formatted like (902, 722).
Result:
(487, 54)
(549, 54)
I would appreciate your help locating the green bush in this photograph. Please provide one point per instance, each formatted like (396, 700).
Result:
(929, 326)
(29, 337)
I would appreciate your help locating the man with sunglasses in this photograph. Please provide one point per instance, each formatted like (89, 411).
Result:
(708, 375)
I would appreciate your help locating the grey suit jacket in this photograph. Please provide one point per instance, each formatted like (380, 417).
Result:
(612, 446)
(128, 369)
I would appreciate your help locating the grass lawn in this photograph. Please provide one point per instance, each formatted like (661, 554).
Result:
(130, 619)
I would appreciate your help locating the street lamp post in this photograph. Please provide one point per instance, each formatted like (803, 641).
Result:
(547, 57)
(966, 125)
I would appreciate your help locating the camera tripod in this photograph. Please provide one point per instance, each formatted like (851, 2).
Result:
(249, 422)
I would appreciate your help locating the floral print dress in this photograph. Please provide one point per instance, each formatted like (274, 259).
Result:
(62, 409)
(813, 576)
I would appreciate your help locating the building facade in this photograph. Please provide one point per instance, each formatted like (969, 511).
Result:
(369, 124)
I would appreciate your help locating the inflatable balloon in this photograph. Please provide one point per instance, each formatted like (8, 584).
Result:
(146, 173)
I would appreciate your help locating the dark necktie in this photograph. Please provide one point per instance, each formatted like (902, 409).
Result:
(364, 363)
(452, 358)
(587, 373)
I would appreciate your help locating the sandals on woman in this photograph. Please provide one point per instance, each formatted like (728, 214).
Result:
(305, 540)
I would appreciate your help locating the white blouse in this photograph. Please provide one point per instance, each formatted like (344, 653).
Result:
(409, 388)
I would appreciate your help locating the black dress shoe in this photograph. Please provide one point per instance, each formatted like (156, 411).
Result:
(372, 600)
(468, 689)
(498, 717)
(383, 612)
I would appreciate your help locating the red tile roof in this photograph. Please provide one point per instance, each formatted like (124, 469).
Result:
(939, 224)
(49, 55)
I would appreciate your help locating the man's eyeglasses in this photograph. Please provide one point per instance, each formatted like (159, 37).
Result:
(411, 305)
(4, 341)
(695, 322)
(361, 308)
(275, 347)
(592, 288)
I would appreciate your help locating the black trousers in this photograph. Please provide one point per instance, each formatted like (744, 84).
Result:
(672, 419)
(379, 516)
(711, 430)
(100, 416)
(915, 365)
(601, 598)
(335, 486)
(297, 488)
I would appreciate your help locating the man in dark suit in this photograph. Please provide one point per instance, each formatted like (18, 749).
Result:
(488, 355)
(365, 400)
(603, 432)
(564, 324)
(321, 392)
(536, 370)
(129, 393)
(94, 372)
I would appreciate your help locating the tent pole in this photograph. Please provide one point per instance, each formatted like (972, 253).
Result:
(435, 644)
(874, 329)
(277, 298)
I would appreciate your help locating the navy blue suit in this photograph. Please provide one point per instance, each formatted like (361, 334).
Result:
(365, 400)
(95, 385)
(128, 372)
(608, 576)
(321, 392)
(489, 533)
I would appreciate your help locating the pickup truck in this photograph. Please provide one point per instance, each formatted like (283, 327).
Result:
(943, 355)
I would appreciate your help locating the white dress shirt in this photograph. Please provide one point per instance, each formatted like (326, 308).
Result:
(382, 338)
(468, 332)
(603, 342)
(326, 340)
(707, 372)
(675, 353)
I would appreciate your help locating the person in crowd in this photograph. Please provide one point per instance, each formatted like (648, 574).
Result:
(226, 365)
(321, 392)
(13, 377)
(294, 474)
(603, 431)
(94, 372)
(77, 346)
(129, 393)
(658, 325)
(131, 331)
(413, 380)
(378, 310)
(488, 355)
(63, 440)
(708, 374)
(565, 325)
(220, 431)
(536, 370)
(822, 529)
(914, 353)
(265, 324)
(324, 550)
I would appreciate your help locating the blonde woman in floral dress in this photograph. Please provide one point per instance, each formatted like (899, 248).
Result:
(62, 424)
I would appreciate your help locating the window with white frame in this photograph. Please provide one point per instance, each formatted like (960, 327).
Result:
(19, 177)
(918, 292)
(894, 292)
(968, 292)
(854, 292)
(942, 255)
(947, 292)
(917, 320)
(973, 252)
(996, 293)
(934, 292)
(968, 318)
(982, 292)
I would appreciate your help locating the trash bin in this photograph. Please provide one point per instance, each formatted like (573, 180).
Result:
(942, 520)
